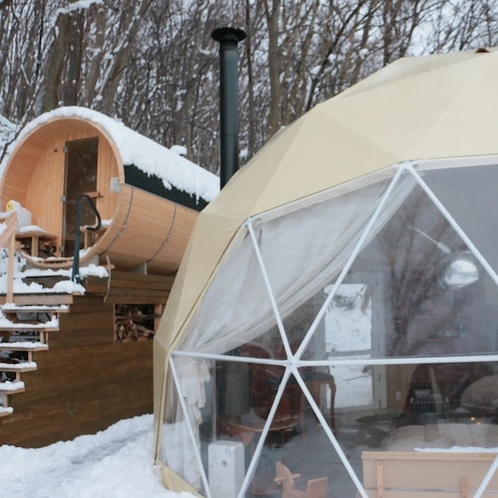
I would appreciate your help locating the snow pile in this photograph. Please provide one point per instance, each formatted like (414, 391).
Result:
(110, 464)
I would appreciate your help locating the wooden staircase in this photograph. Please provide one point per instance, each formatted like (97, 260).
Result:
(26, 321)
(25, 330)
(64, 371)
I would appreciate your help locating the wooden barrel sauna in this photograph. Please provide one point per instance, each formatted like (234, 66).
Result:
(148, 197)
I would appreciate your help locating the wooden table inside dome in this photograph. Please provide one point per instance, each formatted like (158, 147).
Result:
(257, 427)
(247, 428)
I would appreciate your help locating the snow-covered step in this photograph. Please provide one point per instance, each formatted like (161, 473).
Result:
(23, 366)
(33, 308)
(9, 387)
(39, 299)
(6, 410)
(51, 326)
(23, 346)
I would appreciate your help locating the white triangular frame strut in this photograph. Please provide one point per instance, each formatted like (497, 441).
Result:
(399, 173)
(271, 295)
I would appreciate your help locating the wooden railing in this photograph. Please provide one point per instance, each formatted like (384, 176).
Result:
(8, 240)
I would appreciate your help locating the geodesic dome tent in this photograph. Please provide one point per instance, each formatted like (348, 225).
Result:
(336, 306)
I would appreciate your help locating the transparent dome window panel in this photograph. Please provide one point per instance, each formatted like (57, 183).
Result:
(297, 452)
(240, 433)
(236, 309)
(304, 249)
(267, 272)
(188, 411)
(301, 463)
(218, 411)
(415, 289)
(417, 407)
(469, 194)
(325, 430)
(428, 290)
(253, 420)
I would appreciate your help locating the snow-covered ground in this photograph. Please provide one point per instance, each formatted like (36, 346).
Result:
(115, 463)
(118, 462)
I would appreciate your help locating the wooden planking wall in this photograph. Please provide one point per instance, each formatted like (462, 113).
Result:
(84, 382)
(133, 288)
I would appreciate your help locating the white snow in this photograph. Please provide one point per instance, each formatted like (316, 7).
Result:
(18, 366)
(8, 324)
(31, 228)
(21, 344)
(115, 463)
(31, 307)
(179, 149)
(81, 5)
(348, 331)
(63, 287)
(138, 150)
(11, 386)
(457, 449)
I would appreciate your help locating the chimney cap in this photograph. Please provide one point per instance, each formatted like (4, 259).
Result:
(228, 33)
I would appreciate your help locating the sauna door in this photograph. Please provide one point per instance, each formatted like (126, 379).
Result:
(80, 177)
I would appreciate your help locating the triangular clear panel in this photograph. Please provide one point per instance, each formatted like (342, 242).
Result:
(236, 310)
(469, 194)
(304, 251)
(188, 425)
(415, 289)
(307, 458)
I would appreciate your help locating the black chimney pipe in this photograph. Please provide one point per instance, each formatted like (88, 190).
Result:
(228, 39)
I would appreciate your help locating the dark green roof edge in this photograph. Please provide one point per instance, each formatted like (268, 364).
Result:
(153, 184)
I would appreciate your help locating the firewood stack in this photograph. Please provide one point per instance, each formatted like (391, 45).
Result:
(132, 324)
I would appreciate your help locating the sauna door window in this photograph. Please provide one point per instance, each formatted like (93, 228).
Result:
(80, 177)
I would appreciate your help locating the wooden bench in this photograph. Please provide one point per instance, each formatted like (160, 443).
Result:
(412, 474)
(32, 240)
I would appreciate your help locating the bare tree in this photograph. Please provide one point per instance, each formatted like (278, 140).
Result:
(153, 65)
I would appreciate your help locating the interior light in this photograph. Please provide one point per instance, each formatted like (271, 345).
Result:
(458, 268)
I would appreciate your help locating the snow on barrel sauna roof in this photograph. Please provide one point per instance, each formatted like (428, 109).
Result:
(145, 161)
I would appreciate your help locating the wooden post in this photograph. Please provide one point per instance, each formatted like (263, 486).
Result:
(158, 311)
(11, 229)
(380, 479)
(464, 484)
